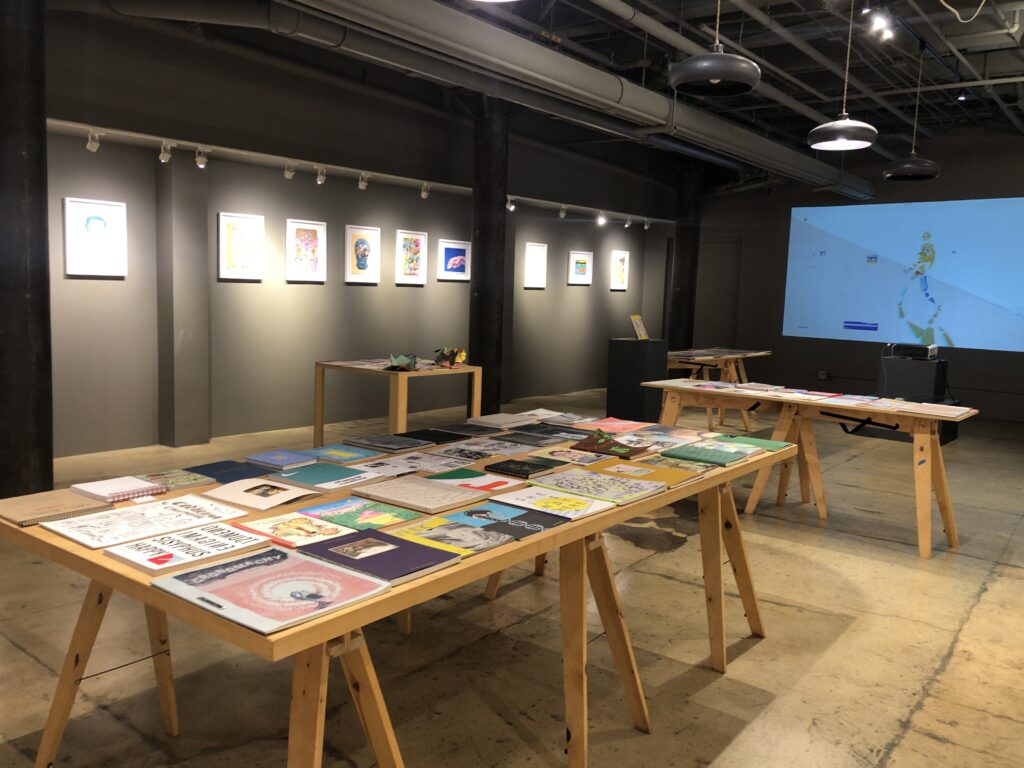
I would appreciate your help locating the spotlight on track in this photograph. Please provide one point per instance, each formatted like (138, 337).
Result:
(321, 175)
(510, 203)
(93, 142)
(201, 158)
(289, 171)
(563, 211)
(425, 191)
(165, 152)
(601, 219)
(364, 180)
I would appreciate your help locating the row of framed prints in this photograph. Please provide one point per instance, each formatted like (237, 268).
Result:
(581, 268)
(242, 252)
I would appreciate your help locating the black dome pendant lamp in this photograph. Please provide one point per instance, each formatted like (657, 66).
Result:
(912, 167)
(843, 134)
(716, 73)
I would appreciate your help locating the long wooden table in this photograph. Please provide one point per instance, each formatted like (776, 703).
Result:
(313, 644)
(730, 364)
(398, 390)
(795, 424)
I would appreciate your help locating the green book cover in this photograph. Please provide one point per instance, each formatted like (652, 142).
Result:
(322, 476)
(760, 442)
(457, 474)
(703, 455)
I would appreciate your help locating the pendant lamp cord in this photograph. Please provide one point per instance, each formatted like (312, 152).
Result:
(718, 17)
(917, 102)
(849, 47)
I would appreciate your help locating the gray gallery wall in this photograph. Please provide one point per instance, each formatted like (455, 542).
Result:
(104, 331)
(757, 224)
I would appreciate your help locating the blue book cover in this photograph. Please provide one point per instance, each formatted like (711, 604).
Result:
(378, 554)
(225, 472)
(502, 518)
(281, 459)
(340, 453)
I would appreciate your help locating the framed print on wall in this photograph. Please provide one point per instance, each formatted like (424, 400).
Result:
(620, 270)
(410, 257)
(241, 246)
(453, 260)
(362, 254)
(95, 238)
(535, 268)
(305, 251)
(581, 267)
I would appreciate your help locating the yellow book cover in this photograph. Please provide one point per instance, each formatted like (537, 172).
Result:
(434, 532)
(640, 471)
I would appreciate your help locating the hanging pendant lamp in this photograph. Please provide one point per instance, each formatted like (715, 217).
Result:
(716, 73)
(912, 167)
(843, 134)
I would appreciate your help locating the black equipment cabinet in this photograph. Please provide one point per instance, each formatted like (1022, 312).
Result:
(631, 362)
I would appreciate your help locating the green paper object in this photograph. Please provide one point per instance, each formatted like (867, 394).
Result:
(450, 357)
(402, 362)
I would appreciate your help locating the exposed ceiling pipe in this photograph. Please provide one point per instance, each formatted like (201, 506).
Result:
(458, 37)
(1010, 115)
(760, 16)
(957, 86)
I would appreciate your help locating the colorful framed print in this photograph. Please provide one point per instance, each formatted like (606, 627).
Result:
(305, 251)
(362, 254)
(453, 260)
(535, 266)
(620, 271)
(411, 257)
(581, 267)
(242, 246)
(95, 238)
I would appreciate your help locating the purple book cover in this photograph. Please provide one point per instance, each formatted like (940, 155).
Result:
(378, 554)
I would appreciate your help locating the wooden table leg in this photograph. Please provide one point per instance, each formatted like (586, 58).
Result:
(803, 470)
(82, 639)
(318, 405)
(493, 583)
(160, 647)
(792, 436)
(734, 377)
(404, 619)
(398, 404)
(941, 484)
(476, 396)
(780, 432)
(923, 485)
(810, 446)
(737, 551)
(741, 368)
(709, 519)
(573, 592)
(540, 564)
(706, 373)
(369, 701)
(669, 408)
(606, 595)
(306, 715)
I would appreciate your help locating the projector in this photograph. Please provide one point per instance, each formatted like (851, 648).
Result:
(915, 351)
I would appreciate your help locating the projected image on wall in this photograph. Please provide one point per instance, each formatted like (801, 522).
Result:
(948, 273)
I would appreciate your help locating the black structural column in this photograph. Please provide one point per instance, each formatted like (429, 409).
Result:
(26, 402)
(681, 289)
(487, 286)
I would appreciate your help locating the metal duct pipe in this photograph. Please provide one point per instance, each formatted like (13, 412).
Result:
(760, 16)
(1010, 115)
(453, 35)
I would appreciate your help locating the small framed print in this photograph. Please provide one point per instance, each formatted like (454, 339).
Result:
(305, 251)
(241, 246)
(581, 267)
(620, 271)
(535, 266)
(410, 257)
(362, 254)
(453, 260)
(95, 238)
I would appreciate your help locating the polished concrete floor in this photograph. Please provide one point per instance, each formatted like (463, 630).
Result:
(873, 656)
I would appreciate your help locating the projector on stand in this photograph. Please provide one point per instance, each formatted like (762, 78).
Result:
(914, 351)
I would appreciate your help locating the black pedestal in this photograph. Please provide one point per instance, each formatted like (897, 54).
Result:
(631, 362)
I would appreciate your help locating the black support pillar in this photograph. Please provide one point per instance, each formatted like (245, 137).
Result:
(487, 286)
(681, 289)
(26, 403)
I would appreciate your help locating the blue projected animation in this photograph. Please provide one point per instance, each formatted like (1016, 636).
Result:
(948, 273)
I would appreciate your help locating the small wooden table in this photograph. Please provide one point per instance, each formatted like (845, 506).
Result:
(312, 645)
(795, 424)
(398, 401)
(728, 361)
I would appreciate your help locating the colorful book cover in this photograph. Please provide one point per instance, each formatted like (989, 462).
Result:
(696, 467)
(177, 479)
(475, 480)
(340, 453)
(759, 442)
(382, 555)
(325, 477)
(502, 518)
(570, 455)
(602, 442)
(703, 455)
(271, 590)
(450, 536)
(734, 446)
(292, 529)
(621, 490)
(281, 459)
(359, 513)
(567, 505)
(613, 426)
(639, 469)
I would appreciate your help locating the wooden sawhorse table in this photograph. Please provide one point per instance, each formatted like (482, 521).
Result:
(729, 362)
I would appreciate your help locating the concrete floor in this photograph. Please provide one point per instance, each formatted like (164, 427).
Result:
(873, 656)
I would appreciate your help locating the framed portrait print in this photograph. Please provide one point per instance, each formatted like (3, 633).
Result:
(241, 246)
(362, 254)
(305, 251)
(453, 260)
(95, 238)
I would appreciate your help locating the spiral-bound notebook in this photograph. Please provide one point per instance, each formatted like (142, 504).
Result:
(118, 489)
(49, 505)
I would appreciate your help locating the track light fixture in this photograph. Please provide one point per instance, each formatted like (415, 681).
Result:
(165, 152)
(321, 175)
(647, 224)
(289, 171)
(201, 158)
(962, 96)
(716, 73)
(629, 222)
(563, 211)
(93, 142)
(424, 191)
(601, 219)
(912, 167)
(843, 133)
(364, 181)
(510, 203)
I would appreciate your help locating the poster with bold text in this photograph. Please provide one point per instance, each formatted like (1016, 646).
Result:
(581, 267)
(410, 258)
(620, 270)
(362, 254)
(453, 260)
(241, 246)
(95, 238)
(305, 251)
(535, 267)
